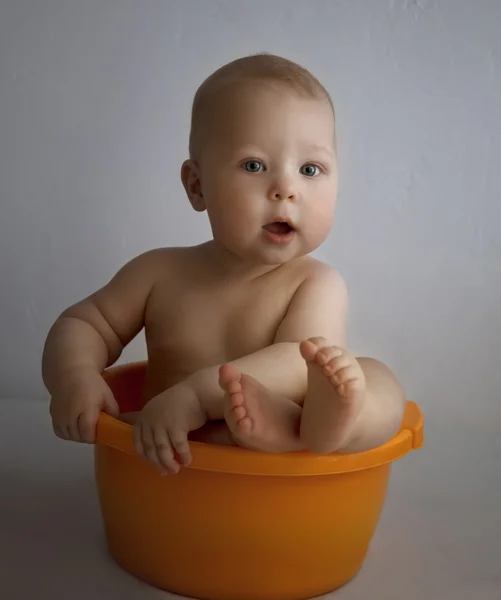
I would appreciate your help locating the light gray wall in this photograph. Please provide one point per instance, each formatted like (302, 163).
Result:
(94, 113)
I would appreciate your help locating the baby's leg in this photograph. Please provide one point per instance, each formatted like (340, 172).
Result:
(352, 404)
(213, 432)
(384, 407)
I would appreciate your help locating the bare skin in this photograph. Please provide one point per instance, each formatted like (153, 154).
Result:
(336, 395)
(246, 333)
(259, 419)
(331, 417)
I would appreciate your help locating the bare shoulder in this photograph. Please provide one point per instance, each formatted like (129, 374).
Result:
(319, 306)
(123, 300)
(319, 277)
(155, 265)
(156, 259)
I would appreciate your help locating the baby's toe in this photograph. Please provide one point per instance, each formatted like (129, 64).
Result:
(340, 360)
(239, 412)
(318, 341)
(308, 350)
(236, 400)
(354, 385)
(345, 374)
(245, 425)
(310, 347)
(328, 354)
(229, 378)
(350, 388)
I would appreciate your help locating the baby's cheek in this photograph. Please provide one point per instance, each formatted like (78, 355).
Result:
(322, 219)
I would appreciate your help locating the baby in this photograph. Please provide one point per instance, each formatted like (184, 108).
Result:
(245, 333)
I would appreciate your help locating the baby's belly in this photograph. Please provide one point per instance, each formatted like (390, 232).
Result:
(167, 367)
(179, 347)
(162, 372)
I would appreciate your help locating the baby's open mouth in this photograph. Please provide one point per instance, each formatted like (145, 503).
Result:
(279, 228)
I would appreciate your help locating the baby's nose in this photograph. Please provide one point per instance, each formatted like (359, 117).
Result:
(283, 190)
(281, 195)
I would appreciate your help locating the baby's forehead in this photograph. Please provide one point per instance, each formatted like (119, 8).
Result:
(249, 107)
(229, 109)
(231, 92)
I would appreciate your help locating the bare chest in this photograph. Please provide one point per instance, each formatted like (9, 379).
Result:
(188, 329)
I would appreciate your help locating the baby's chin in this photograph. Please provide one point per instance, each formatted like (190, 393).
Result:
(258, 253)
(279, 256)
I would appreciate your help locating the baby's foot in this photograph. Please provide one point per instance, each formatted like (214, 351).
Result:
(257, 418)
(336, 392)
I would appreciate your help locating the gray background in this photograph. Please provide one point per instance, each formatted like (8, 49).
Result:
(94, 115)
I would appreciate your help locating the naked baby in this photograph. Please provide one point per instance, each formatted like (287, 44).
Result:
(245, 333)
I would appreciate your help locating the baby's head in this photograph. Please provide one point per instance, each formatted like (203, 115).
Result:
(263, 149)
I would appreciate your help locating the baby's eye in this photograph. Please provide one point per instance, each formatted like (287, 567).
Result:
(253, 166)
(309, 170)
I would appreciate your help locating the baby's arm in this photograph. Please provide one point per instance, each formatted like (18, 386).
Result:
(318, 308)
(89, 336)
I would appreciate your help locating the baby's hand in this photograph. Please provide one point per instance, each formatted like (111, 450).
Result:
(163, 427)
(76, 403)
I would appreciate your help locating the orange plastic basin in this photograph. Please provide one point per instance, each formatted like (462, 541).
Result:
(237, 524)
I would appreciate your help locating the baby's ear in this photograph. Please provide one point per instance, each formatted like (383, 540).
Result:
(190, 177)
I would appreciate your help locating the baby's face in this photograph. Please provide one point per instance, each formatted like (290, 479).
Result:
(270, 156)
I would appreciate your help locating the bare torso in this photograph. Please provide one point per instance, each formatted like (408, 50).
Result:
(195, 318)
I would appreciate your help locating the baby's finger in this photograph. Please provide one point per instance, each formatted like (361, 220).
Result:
(110, 405)
(67, 432)
(181, 445)
(164, 450)
(87, 427)
(72, 429)
(150, 448)
(137, 438)
(59, 432)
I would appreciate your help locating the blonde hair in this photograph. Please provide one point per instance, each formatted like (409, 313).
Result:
(264, 67)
